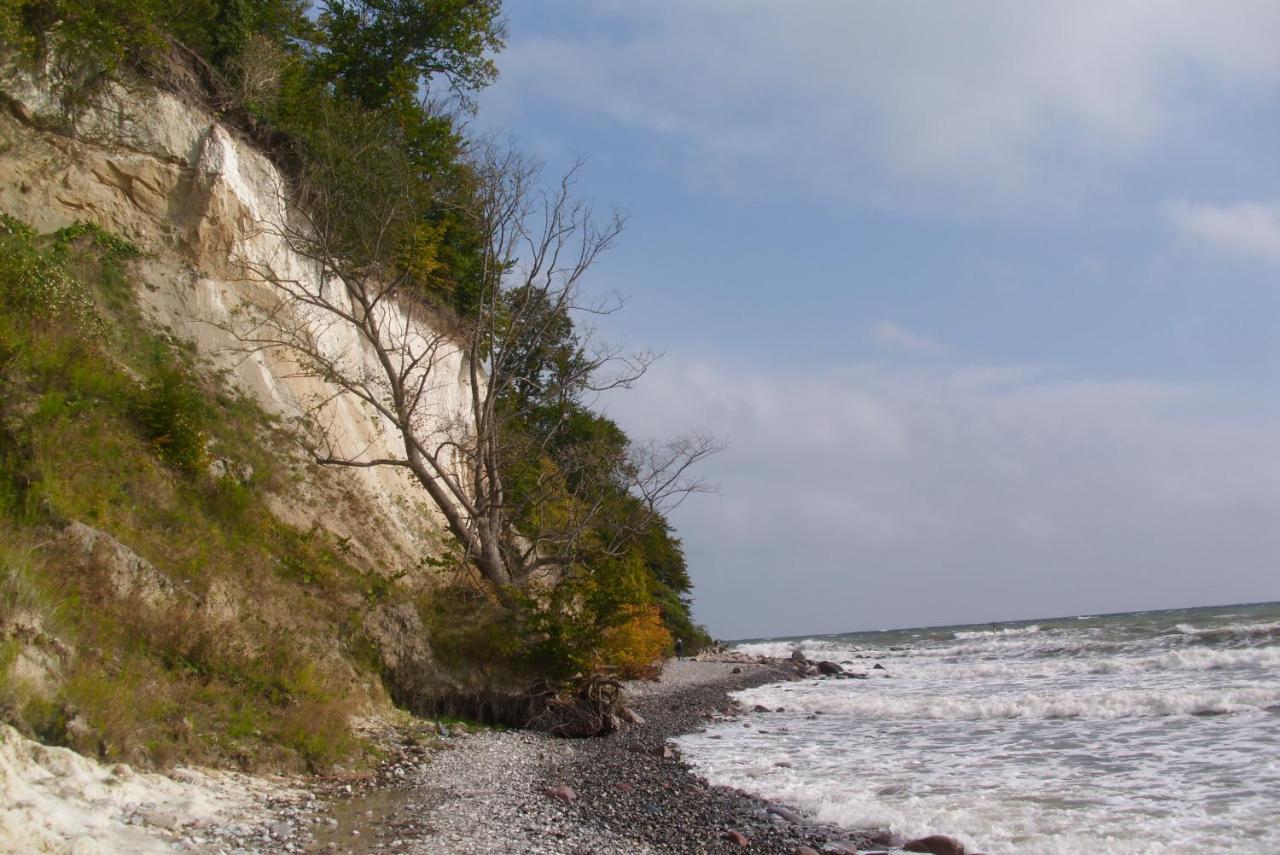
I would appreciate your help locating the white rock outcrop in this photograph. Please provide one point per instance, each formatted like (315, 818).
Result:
(208, 208)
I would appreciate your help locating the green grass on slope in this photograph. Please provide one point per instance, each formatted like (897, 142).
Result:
(104, 423)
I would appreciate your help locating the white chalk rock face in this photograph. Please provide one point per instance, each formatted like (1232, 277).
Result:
(209, 209)
(55, 801)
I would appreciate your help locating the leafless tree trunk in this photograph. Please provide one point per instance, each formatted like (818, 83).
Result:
(538, 244)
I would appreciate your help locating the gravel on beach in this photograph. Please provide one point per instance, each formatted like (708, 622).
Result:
(526, 792)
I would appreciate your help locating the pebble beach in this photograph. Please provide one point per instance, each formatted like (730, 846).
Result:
(629, 792)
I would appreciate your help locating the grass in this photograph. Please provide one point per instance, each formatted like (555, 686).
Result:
(104, 423)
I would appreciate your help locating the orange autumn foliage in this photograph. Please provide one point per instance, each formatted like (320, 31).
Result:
(634, 647)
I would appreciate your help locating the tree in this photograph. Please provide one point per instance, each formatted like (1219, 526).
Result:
(359, 220)
(379, 52)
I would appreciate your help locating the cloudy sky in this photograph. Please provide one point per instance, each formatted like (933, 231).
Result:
(984, 297)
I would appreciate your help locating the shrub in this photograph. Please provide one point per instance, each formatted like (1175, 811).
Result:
(173, 414)
(634, 647)
(35, 284)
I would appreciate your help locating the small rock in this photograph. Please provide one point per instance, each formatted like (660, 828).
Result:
(936, 844)
(829, 668)
(739, 838)
(885, 837)
(786, 813)
(628, 714)
(562, 792)
(878, 667)
(839, 847)
(760, 708)
(736, 670)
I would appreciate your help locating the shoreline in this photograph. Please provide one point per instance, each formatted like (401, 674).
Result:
(443, 788)
(624, 793)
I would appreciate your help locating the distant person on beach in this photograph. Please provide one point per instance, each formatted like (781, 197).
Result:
(679, 648)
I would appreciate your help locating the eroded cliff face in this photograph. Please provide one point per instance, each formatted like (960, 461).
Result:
(208, 208)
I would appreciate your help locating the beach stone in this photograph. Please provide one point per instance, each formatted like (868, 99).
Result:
(936, 844)
(829, 668)
(736, 670)
(885, 837)
(786, 813)
(632, 716)
(878, 667)
(739, 838)
(839, 847)
(761, 708)
(562, 792)
(798, 657)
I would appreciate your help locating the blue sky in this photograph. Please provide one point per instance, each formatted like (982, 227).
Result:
(985, 297)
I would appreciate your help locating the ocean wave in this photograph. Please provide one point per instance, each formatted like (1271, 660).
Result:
(1245, 632)
(1082, 661)
(810, 647)
(1063, 705)
(1013, 631)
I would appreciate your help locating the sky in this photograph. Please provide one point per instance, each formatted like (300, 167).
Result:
(983, 298)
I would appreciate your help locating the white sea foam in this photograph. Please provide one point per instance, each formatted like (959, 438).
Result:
(997, 633)
(1105, 704)
(1246, 630)
(1143, 734)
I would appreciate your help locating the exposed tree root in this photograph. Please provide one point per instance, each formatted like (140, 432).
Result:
(588, 706)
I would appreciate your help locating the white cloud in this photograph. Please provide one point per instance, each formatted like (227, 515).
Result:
(872, 495)
(1245, 228)
(965, 104)
(893, 336)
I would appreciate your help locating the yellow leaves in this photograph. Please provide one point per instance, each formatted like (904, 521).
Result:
(420, 255)
(634, 647)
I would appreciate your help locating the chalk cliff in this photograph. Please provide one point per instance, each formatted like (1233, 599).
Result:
(207, 207)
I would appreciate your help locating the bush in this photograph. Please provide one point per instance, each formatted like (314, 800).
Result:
(634, 648)
(173, 414)
(35, 284)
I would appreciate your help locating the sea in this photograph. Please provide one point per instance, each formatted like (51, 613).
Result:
(1144, 732)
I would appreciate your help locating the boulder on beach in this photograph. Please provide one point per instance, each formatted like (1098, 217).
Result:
(798, 657)
(739, 838)
(936, 844)
(829, 668)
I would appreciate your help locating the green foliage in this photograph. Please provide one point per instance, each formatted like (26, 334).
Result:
(380, 54)
(173, 415)
(77, 442)
(35, 284)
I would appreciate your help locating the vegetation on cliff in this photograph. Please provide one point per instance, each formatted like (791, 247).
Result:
(562, 561)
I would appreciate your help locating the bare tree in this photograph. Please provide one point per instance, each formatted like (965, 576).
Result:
(349, 218)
